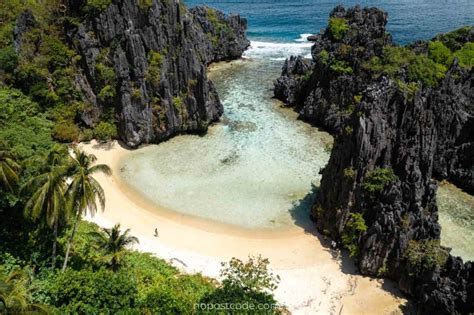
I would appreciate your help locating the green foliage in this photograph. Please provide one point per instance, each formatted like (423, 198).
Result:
(252, 275)
(89, 292)
(66, 131)
(221, 28)
(456, 39)
(425, 70)
(23, 126)
(15, 294)
(376, 180)
(155, 61)
(340, 66)
(112, 243)
(145, 4)
(348, 130)
(245, 282)
(105, 74)
(357, 98)
(97, 5)
(338, 27)
(353, 230)
(324, 57)
(107, 94)
(439, 53)
(105, 131)
(420, 67)
(466, 55)
(409, 88)
(425, 255)
(349, 173)
(8, 59)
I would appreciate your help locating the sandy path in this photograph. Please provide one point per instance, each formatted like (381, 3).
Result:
(312, 280)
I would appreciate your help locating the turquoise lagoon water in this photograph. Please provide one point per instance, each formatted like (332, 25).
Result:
(250, 170)
(256, 169)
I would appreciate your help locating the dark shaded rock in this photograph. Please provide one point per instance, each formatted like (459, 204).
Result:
(379, 124)
(24, 22)
(155, 102)
(325, 96)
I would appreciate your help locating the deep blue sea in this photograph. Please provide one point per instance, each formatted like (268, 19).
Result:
(285, 21)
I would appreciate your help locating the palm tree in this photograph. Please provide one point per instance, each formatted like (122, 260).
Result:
(113, 244)
(15, 295)
(84, 190)
(9, 168)
(48, 197)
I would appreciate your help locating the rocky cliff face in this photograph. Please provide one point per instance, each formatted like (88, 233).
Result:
(147, 65)
(326, 89)
(377, 196)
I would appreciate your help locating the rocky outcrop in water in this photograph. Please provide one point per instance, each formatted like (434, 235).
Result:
(377, 196)
(148, 65)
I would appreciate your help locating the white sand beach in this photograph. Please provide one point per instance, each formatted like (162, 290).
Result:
(313, 281)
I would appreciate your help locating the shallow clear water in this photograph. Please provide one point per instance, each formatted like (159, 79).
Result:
(456, 216)
(251, 170)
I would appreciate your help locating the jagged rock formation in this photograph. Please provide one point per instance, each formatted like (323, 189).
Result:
(326, 89)
(377, 195)
(149, 65)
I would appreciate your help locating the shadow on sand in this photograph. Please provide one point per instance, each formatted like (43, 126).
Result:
(301, 215)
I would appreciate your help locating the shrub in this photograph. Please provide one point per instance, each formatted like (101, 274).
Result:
(338, 27)
(466, 55)
(105, 74)
(155, 61)
(423, 69)
(353, 230)
(341, 67)
(8, 59)
(439, 53)
(324, 57)
(456, 39)
(252, 275)
(425, 255)
(245, 282)
(107, 94)
(66, 131)
(97, 5)
(376, 180)
(357, 98)
(349, 173)
(105, 131)
(89, 292)
(23, 125)
(420, 67)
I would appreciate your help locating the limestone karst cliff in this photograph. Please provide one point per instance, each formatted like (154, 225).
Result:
(140, 66)
(401, 117)
(158, 55)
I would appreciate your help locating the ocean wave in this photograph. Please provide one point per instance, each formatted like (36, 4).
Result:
(277, 51)
(303, 38)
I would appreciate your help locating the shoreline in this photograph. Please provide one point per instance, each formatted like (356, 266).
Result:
(312, 279)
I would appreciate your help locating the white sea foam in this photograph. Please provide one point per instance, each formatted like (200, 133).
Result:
(303, 38)
(277, 51)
